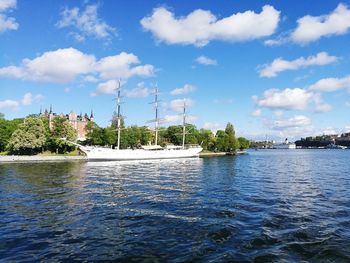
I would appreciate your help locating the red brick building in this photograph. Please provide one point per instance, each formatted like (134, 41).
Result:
(78, 122)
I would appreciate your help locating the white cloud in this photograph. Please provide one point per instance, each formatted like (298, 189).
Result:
(213, 126)
(256, 113)
(200, 27)
(279, 64)
(7, 23)
(290, 127)
(86, 22)
(108, 87)
(287, 99)
(178, 119)
(184, 90)
(29, 98)
(90, 78)
(140, 92)
(120, 66)
(346, 129)
(178, 105)
(64, 65)
(312, 28)
(295, 121)
(206, 61)
(329, 131)
(12, 71)
(7, 4)
(9, 104)
(292, 99)
(331, 84)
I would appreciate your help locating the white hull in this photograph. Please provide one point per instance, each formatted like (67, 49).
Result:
(285, 146)
(105, 154)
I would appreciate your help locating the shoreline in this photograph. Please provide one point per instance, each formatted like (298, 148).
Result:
(41, 158)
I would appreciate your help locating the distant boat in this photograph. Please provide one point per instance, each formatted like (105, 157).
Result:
(334, 146)
(285, 145)
(144, 152)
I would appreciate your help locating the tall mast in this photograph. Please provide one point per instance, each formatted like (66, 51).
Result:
(184, 125)
(157, 119)
(118, 114)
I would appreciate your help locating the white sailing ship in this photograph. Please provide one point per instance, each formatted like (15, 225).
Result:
(145, 152)
(285, 145)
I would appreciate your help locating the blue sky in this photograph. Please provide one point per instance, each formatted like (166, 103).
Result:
(275, 68)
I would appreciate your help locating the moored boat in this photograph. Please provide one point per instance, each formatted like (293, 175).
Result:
(143, 152)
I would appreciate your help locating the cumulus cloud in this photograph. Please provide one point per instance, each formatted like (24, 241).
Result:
(9, 104)
(213, 126)
(279, 64)
(64, 65)
(178, 105)
(329, 131)
(7, 4)
(292, 99)
(61, 65)
(184, 90)
(312, 28)
(29, 98)
(6, 22)
(291, 127)
(331, 84)
(86, 22)
(206, 61)
(121, 66)
(295, 121)
(108, 87)
(256, 113)
(200, 27)
(139, 92)
(287, 99)
(90, 78)
(178, 119)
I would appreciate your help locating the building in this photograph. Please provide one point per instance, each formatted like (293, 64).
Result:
(78, 122)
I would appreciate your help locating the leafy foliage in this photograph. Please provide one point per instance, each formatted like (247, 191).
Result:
(29, 138)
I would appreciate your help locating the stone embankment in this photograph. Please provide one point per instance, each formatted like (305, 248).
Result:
(39, 158)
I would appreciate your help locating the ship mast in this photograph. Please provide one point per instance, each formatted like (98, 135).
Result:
(118, 99)
(184, 125)
(157, 118)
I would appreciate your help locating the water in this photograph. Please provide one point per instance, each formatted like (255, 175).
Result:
(266, 206)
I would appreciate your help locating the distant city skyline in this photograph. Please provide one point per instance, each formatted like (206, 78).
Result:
(274, 68)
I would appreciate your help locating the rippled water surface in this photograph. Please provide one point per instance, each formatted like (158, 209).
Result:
(265, 206)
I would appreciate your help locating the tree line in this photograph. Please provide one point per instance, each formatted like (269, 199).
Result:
(31, 135)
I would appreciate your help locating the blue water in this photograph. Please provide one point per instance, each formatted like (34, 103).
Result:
(272, 205)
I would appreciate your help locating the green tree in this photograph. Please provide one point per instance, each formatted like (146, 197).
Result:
(62, 129)
(232, 144)
(243, 143)
(7, 127)
(222, 141)
(2, 116)
(29, 138)
(206, 139)
(146, 135)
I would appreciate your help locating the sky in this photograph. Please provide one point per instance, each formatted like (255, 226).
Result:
(274, 69)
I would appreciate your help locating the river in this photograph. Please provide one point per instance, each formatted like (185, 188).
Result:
(266, 206)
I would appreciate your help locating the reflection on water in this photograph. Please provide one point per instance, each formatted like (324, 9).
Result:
(265, 206)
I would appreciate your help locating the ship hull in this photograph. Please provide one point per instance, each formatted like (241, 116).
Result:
(105, 154)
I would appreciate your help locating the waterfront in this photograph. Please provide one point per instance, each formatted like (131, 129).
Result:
(268, 205)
